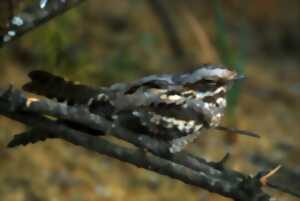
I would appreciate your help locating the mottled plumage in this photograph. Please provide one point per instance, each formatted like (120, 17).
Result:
(175, 108)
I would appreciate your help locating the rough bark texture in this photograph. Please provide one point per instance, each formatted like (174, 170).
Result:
(34, 16)
(182, 166)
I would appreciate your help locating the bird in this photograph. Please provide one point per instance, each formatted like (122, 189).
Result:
(175, 108)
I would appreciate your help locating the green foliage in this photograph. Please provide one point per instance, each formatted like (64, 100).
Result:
(54, 46)
(121, 65)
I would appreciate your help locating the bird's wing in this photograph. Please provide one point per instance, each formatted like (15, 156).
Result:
(52, 86)
(152, 81)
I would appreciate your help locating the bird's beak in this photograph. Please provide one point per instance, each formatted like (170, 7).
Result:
(239, 77)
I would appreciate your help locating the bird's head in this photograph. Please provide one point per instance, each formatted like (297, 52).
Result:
(209, 78)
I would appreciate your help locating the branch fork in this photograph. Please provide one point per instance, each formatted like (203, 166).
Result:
(213, 176)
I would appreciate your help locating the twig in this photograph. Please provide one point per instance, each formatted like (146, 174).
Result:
(96, 122)
(236, 130)
(160, 10)
(282, 180)
(33, 17)
(83, 117)
(265, 179)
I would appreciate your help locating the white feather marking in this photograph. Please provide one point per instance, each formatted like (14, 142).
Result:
(179, 143)
(221, 102)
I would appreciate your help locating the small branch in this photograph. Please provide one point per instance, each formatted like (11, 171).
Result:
(96, 122)
(236, 130)
(33, 17)
(184, 167)
(136, 157)
(170, 29)
(282, 179)
(265, 179)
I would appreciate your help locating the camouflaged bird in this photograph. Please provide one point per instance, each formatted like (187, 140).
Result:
(171, 107)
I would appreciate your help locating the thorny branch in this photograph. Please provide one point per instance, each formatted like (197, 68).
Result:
(182, 166)
(34, 16)
(281, 180)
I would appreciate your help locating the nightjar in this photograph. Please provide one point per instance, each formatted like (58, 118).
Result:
(172, 107)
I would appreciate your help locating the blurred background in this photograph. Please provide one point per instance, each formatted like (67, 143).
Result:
(103, 42)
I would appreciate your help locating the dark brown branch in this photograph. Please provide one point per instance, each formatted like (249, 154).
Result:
(161, 12)
(84, 117)
(33, 17)
(225, 182)
(136, 157)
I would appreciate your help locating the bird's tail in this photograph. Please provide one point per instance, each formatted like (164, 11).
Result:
(52, 86)
(30, 136)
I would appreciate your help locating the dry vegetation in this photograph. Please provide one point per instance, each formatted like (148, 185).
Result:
(101, 42)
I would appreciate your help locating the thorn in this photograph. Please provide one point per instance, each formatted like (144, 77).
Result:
(224, 159)
(220, 164)
(30, 100)
(264, 179)
(8, 91)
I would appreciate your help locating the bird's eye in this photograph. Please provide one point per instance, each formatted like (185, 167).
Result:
(209, 82)
(202, 85)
